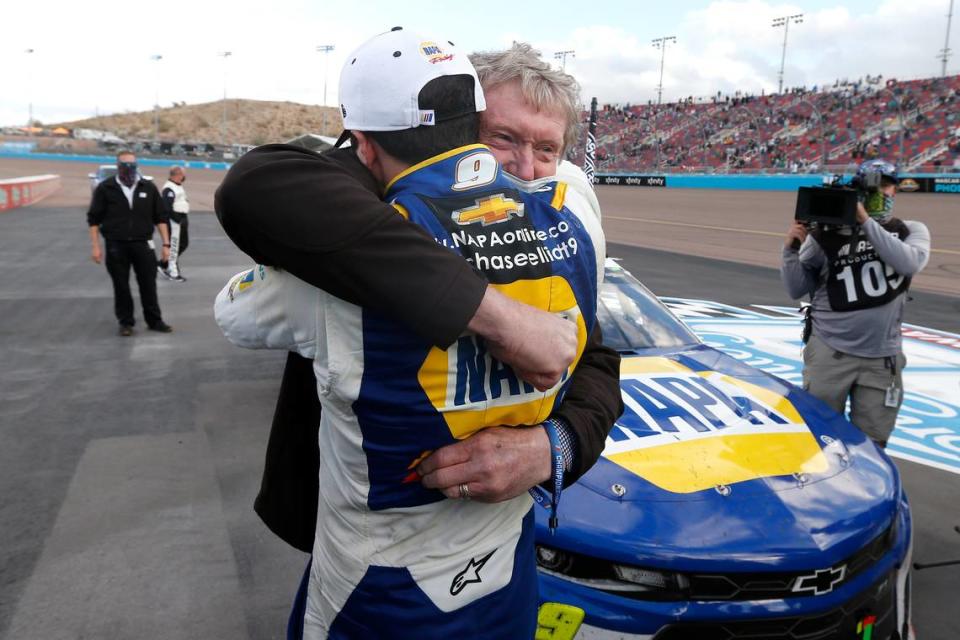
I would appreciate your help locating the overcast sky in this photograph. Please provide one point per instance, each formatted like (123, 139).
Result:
(91, 57)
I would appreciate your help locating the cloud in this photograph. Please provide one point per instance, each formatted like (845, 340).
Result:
(95, 55)
(731, 45)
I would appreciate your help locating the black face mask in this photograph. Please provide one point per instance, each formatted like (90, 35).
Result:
(127, 173)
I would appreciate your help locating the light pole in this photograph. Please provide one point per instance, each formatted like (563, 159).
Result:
(661, 43)
(784, 21)
(945, 52)
(156, 98)
(562, 57)
(223, 122)
(325, 49)
(29, 96)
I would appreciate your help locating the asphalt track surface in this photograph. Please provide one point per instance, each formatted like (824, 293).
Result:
(129, 465)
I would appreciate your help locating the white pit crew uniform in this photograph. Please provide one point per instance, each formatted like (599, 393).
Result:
(175, 200)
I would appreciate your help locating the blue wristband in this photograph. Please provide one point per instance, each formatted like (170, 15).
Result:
(557, 464)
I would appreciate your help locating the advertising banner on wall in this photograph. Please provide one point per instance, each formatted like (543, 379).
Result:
(944, 184)
(633, 180)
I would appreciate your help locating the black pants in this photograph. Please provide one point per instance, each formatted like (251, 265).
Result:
(184, 234)
(120, 257)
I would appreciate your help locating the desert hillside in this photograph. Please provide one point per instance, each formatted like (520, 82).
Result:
(248, 122)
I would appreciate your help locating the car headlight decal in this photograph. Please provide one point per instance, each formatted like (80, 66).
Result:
(650, 578)
(625, 580)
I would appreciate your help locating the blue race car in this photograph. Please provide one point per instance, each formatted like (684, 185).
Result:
(728, 505)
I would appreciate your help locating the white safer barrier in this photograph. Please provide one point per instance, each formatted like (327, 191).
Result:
(19, 192)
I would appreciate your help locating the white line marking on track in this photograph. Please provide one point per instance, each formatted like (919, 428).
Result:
(731, 229)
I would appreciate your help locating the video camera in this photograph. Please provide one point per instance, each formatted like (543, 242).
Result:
(835, 203)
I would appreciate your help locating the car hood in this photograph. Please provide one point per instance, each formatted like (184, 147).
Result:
(718, 464)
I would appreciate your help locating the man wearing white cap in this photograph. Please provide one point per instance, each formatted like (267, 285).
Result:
(393, 558)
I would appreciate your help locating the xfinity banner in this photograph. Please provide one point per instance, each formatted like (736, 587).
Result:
(633, 180)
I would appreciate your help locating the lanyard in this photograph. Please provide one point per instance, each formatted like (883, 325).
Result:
(539, 495)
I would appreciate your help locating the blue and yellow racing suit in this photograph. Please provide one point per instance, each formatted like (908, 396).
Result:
(392, 558)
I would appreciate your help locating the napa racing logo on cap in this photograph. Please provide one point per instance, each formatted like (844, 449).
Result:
(686, 431)
(434, 53)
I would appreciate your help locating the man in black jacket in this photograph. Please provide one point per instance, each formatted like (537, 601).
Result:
(125, 209)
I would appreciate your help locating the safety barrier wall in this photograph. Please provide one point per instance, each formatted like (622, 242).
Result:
(91, 159)
(19, 192)
(920, 182)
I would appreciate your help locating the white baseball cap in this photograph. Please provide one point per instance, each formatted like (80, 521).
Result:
(381, 81)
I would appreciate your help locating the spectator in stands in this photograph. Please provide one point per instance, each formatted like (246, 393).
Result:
(857, 279)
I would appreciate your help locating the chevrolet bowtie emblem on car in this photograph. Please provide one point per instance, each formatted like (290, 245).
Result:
(488, 211)
(470, 574)
(820, 581)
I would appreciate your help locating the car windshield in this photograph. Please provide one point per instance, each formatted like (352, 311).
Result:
(107, 172)
(632, 318)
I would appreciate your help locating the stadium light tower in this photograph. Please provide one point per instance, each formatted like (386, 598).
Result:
(156, 97)
(325, 49)
(562, 57)
(945, 52)
(784, 21)
(661, 43)
(29, 98)
(223, 122)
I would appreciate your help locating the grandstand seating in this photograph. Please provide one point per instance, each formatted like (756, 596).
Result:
(915, 123)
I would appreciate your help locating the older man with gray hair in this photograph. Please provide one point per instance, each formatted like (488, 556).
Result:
(533, 111)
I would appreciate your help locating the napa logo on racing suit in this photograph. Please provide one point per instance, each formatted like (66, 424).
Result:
(434, 53)
(245, 280)
(472, 389)
(674, 415)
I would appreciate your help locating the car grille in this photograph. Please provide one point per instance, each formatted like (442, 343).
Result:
(838, 624)
(773, 586)
(602, 575)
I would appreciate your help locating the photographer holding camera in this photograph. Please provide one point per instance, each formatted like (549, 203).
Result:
(856, 274)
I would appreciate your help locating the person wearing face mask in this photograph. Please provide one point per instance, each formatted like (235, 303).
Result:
(125, 211)
(857, 278)
(177, 207)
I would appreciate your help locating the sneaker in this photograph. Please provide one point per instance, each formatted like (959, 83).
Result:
(178, 278)
(163, 327)
(164, 273)
(126, 330)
